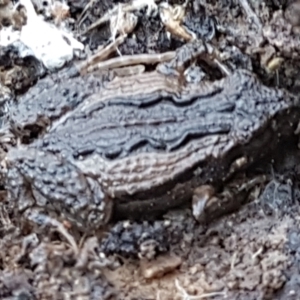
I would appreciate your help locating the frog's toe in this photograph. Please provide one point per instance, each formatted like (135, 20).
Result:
(202, 196)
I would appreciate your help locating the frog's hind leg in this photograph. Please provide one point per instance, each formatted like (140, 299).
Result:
(21, 201)
(208, 205)
(39, 181)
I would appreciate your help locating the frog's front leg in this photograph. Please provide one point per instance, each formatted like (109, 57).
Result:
(22, 202)
(207, 204)
(39, 181)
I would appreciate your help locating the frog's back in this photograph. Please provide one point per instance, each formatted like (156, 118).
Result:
(235, 108)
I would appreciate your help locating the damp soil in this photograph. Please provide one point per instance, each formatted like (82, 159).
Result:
(251, 254)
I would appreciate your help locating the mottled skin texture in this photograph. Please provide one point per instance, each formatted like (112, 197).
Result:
(143, 148)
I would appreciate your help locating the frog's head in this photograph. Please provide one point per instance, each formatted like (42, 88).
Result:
(54, 183)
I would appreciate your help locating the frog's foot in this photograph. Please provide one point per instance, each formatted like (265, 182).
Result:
(42, 220)
(208, 205)
(203, 196)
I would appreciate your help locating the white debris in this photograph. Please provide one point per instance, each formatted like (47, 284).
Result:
(52, 46)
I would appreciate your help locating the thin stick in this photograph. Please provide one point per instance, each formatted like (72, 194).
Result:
(128, 60)
(102, 20)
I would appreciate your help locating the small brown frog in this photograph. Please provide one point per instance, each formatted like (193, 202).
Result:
(143, 145)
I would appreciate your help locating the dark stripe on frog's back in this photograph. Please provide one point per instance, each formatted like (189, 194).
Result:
(126, 129)
(113, 137)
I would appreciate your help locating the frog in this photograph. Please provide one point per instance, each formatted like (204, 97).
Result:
(145, 144)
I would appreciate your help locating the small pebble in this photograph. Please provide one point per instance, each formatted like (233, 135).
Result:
(159, 267)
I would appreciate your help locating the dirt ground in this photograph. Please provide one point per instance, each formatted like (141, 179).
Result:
(251, 254)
